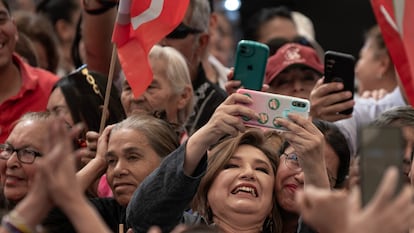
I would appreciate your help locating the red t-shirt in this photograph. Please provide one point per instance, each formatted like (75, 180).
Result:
(32, 97)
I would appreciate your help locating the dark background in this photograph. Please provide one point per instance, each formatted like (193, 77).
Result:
(339, 24)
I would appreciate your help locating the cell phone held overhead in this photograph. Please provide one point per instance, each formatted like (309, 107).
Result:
(339, 67)
(273, 106)
(250, 64)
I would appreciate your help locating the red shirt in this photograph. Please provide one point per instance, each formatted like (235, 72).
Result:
(33, 96)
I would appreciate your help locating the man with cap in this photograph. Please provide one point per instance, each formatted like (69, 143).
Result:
(293, 70)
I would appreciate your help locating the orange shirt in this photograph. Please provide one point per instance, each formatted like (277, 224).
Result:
(32, 97)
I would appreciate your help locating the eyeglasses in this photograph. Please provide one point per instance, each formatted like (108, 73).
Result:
(182, 32)
(292, 162)
(24, 155)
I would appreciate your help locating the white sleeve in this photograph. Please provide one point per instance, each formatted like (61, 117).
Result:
(366, 111)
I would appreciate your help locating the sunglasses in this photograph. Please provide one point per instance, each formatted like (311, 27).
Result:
(182, 32)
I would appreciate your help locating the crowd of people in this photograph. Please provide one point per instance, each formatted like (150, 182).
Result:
(179, 157)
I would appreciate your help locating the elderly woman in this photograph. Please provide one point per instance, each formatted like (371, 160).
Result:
(55, 172)
(170, 92)
(19, 153)
(127, 153)
(237, 192)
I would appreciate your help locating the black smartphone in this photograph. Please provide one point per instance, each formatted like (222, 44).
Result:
(250, 64)
(339, 67)
(381, 147)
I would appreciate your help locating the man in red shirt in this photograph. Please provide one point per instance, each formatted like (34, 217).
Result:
(22, 88)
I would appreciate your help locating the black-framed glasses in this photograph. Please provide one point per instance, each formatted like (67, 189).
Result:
(24, 155)
(182, 31)
(292, 162)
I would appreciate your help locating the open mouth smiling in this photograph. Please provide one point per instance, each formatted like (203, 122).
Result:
(245, 189)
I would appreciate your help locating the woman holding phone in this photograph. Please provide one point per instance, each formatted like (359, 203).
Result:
(236, 192)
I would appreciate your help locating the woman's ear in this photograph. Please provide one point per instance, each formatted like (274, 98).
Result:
(203, 41)
(385, 64)
(185, 97)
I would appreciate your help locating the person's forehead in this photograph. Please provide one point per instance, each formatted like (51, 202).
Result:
(29, 133)
(298, 67)
(292, 74)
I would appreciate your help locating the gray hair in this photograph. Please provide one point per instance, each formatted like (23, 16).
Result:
(33, 116)
(160, 135)
(177, 74)
(398, 116)
(200, 17)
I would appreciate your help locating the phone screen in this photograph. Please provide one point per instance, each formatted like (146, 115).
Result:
(381, 147)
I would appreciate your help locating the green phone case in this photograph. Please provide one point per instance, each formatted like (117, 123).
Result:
(250, 64)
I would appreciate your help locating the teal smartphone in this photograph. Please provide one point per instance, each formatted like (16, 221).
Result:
(381, 147)
(250, 64)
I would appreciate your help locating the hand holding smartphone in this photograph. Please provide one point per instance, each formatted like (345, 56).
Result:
(339, 67)
(250, 65)
(272, 106)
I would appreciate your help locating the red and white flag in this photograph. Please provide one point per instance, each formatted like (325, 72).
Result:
(395, 18)
(140, 25)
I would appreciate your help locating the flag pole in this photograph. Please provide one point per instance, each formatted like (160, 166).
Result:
(105, 110)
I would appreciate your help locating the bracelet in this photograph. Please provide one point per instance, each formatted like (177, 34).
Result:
(14, 223)
(105, 6)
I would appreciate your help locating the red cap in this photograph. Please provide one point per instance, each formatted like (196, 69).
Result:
(292, 54)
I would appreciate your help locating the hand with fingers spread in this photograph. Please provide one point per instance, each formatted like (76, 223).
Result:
(328, 211)
(58, 166)
(326, 101)
(55, 184)
(58, 172)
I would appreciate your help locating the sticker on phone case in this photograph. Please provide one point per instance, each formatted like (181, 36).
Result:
(273, 104)
(263, 118)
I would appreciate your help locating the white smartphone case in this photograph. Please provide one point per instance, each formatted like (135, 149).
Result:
(272, 106)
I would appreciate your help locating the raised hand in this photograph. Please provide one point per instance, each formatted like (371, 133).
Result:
(89, 153)
(226, 120)
(328, 211)
(309, 145)
(325, 101)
